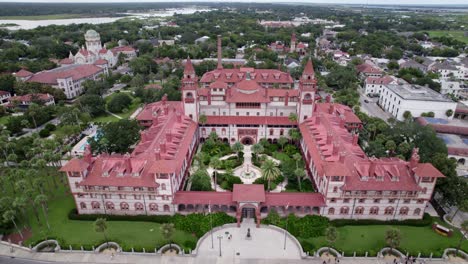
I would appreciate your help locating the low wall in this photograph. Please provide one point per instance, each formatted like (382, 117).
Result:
(167, 246)
(109, 244)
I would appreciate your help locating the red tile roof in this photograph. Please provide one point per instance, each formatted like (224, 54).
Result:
(366, 68)
(76, 72)
(203, 198)
(245, 120)
(237, 75)
(248, 193)
(379, 80)
(188, 69)
(23, 73)
(309, 68)
(31, 97)
(294, 199)
(3, 93)
(122, 49)
(100, 62)
(75, 165)
(66, 61)
(335, 152)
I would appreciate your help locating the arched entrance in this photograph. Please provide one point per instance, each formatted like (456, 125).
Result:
(247, 141)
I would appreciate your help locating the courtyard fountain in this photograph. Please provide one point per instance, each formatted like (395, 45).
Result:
(247, 173)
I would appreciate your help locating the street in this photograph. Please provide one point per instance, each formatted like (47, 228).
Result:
(371, 108)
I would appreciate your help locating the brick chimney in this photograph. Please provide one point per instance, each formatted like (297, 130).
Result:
(342, 156)
(155, 120)
(88, 154)
(355, 139)
(157, 154)
(331, 109)
(220, 54)
(162, 146)
(143, 135)
(328, 99)
(317, 120)
(286, 100)
(336, 147)
(179, 117)
(329, 138)
(372, 167)
(342, 121)
(414, 160)
(168, 135)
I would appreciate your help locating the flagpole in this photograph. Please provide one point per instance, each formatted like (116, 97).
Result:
(211, 224)
(286, 230)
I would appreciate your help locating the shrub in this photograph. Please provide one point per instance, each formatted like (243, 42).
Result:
(307, 246)
(50, 127)
(119, 102)
(44, 133)
(190, 245)
(426, 221)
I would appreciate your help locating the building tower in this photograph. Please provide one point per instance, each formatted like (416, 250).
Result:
(220, 54)
(189, 91)
(93, 41)
(293, 43)
(307, 87)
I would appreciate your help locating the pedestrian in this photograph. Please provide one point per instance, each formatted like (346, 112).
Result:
(337, 261)
(112, 255)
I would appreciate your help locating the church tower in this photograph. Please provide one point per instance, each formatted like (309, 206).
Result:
(307, 88)
(189, 91)
(293, 43)
(93, 41)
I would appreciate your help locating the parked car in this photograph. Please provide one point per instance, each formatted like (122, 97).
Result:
(366, 101)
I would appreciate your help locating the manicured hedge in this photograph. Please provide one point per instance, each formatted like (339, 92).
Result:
(427, 220)
(73, 215)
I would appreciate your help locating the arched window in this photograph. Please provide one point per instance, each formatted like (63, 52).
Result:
(163, 186)
(281, 132)
(388, 211)
(110, 206)
(404, 210)
(124, 206)
(344, 210)
(271, 132)
(203, 131)
(331, 211)
(166, 208)
(335, 189)
(307, 96)
(83, 205)
(417, 211)
(359, 210)
(153, 207)
(223, 131)
(95, 205)
(213, 130)
(374, 210)
(189, 95)
(139, 207)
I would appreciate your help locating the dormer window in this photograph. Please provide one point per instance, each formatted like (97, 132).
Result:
(136, 174)
(105, 174)
(120, 174)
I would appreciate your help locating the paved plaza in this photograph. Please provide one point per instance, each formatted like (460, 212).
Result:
(265, 242)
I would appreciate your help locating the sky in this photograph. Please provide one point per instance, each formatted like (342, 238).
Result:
(394, 2)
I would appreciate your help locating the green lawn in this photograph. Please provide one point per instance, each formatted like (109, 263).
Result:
(372, 239)
(106, 118)
(459, 35)
(81, 233)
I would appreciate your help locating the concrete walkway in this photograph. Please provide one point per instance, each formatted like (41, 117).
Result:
(21, 255)
(265, 242)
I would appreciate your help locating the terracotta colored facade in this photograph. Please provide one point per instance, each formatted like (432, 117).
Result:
(247, 105)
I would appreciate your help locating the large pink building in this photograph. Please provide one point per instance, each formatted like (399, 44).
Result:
(247, 105)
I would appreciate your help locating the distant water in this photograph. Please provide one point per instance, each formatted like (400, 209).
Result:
(30, 24)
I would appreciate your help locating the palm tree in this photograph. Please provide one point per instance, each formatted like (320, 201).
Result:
(463, 231)
(295, 135)
(300, 174)
(270, 172)
(100, 226)
(202, 119)
(42, 201)
(257, 149)
(10, 215)
(167, 230)
(20, 203)
(332, 234)
(282, 141)
(237, 147)
(393, 238)
(292, 117)
(215, 162)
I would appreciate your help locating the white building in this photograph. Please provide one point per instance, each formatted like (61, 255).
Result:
(397, 99)
(4, 97)
(451, 87)
(69, 78)
(375, 85)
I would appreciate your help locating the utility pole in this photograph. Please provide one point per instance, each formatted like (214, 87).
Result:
(220, 237)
